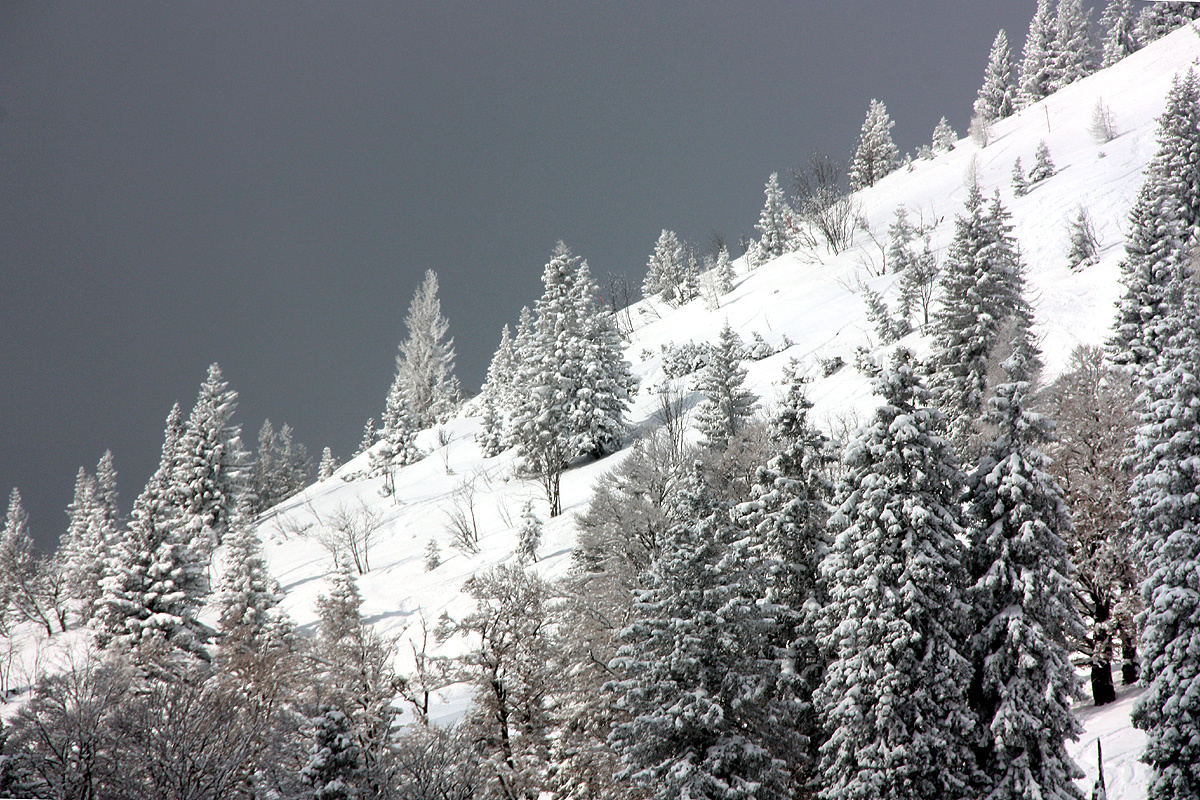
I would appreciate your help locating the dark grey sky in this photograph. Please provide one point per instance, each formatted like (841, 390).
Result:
(263, 184)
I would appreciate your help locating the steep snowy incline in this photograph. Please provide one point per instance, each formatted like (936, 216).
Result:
(805, 297)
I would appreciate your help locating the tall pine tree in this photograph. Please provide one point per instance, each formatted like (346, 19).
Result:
(1037, 66)
(998, 92)
(876, 154)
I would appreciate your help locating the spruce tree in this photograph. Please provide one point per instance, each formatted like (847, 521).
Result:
(209, 477)
(328, 465)
(773, 221)
(249, 596)
(332, 769)
(1023, 611)
(997, 95)
(664, 270)
(425, 364)
(1163, 228)
(22, 573)
(1037, 68)
(1072, 54)
(1043, 167)
(1119, 37)
(369, 436)
(399, 433)
(723, 272)
(1083, 246)
(944, 137)
(893, 700)
(1020, 183)
(529, 536)
(876, 154)
(1156, 20)
(727, 406)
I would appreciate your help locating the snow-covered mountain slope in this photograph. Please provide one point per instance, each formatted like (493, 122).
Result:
(806, 297)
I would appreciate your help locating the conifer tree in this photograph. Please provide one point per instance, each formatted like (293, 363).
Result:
(1165, 499)
(332, 768)
(1083, 246)
(157, 575)
(1020, 183)
(773, 221)
(529, 537)
(876, 153)
(1037, 68)
(499, 381)
(210, 467)
(1156, 20)
(76, 546)
(328, 465)
(249, 597)
(997, 95)
(1025, 620)
(944, 137)
(1043, 167)
(727, 406)
(722, 273)
(425, 364)
(281, 469)
(664, 270)
(1072, 55)
(1119, 37)
(369, 437)
(22, 578)
(1163, 228)
(893, 700)
(399, 432)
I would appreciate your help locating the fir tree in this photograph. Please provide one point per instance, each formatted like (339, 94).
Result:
(332, 768)
(328, 465)
(773, 221)
(1163, 228)
(893, 700)
(1024, 615)
(998, 92)
(1043, 167)
(369, 437)
(1072, 55)
(425, 364)
(1083, 245)
(723, 273)
(498, 386)
(1119, 37)
(1037, 68)
(281, 469)
(529, 537)
(399, 433)
(433, 555)
(876, 154)
(1020, 183)
(727, 406)
(22, 576)
(1156, 20)
(664, 270)
(249, 597)
(944, 137)
(92, 531)
(210, 467)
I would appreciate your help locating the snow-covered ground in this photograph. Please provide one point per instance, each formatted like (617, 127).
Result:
(806, 297)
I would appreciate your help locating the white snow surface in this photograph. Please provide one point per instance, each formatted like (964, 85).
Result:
(806, 296)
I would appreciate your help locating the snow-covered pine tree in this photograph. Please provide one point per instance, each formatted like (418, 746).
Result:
(529, 535)
(499, 381)
(664, 270)
(1165, 500)
(1043, 166)
(22, 579)
(399, 432)
(157, 573)
(76, 549)
(369, 436)
(997, 95)
(689, 276)
(901, 233)
(722, 273)
(1020, 183)
(1073, 53)
(982, 298)
(1037, 60)
(1083, 244)
(1163, 228)
(774, 221)
(210, 467)
(281, 468)
(1119, 31)
(876, 153)
(727, 406)
(1158, 19)
(697, 680)
(944, 137)
(893, 700)
(426, 358)
(248, 600)
(1022, 606)
(332, 769)
(328, 465)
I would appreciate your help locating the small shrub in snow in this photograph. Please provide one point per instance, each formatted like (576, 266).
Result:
(831, 365)
(1103, 127)
(680, 360)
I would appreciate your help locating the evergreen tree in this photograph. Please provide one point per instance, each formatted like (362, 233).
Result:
(997, 95)
(249, 597)
(1163, 228)
(773, 221)
(697, 679)
(1156, 20)
(210, 467)
(1020, 183)
(1072, 55)
(1043, 167)
(22, 578)
(400, 426)
(1083, 246)
(425, 364)
(1024, 615)
(328, 465)
(281, 469)
(529, 537)
(499, 382)
(333, 764)
(727, 406)
(981, 309)
(723, 273)
(893, 700)
(1037, 67)
(369, 437)
(944, 137)
(1119, 26)
(876, 153)
(76, 546)
(157, 575)
(1165, 499)
(664, 270)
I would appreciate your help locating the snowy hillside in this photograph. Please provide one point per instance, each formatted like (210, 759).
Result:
(806, 298)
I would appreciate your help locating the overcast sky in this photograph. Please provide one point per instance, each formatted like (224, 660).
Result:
(264, 184)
